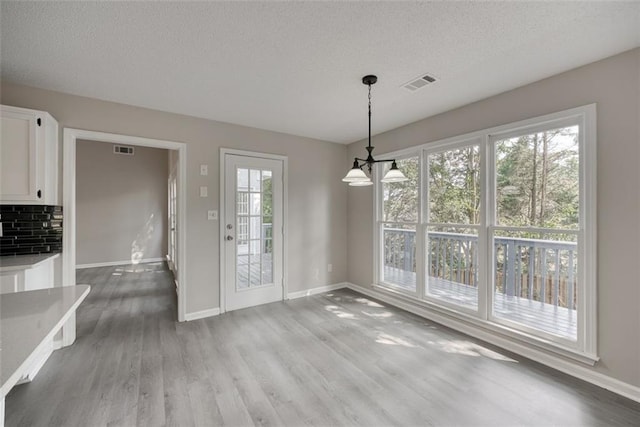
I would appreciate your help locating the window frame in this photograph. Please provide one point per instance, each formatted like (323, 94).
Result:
(584, 348)
(435, 148)
(378, 171)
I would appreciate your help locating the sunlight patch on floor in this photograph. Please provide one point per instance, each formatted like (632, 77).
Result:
(368, 302)
(382, 315)
(391, 340)
(340, 313)
(468, 348)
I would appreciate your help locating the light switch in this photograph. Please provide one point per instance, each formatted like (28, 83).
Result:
(212, 215)
(204, 169)
(203, 191)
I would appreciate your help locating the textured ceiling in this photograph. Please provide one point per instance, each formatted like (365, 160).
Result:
(295, 67)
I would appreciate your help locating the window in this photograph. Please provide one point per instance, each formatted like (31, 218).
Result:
(536, 229)
(500, 225)
(400, 204)
(453, 224)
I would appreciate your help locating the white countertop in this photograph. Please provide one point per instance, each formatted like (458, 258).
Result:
(24, 262)
(27, 320)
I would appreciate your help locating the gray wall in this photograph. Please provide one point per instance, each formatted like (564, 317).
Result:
(614, 84)
(121, 203)
(317, 197)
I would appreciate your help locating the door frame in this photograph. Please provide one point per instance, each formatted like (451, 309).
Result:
(285, 210)
(70, 138)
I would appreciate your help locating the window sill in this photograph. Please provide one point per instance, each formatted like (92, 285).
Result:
(510, 339)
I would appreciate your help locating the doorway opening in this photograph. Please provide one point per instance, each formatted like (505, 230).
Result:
(71, 137)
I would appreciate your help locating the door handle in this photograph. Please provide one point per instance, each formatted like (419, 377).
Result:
(229, 238)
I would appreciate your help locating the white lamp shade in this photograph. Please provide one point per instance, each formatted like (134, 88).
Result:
(394, 175)
(355, 175)
(361, 183)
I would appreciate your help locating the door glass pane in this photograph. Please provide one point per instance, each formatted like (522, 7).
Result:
(243, 179)
(254, 180)
(256, 227)
(254, 235)
(399, 257)
(255, 278)
(254, 250)
(255, 205)
(452, 265)
(242, 269)
(267, 269)
(242, 199)
(242, 234)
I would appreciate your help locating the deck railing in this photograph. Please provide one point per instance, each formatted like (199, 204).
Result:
(535, 269)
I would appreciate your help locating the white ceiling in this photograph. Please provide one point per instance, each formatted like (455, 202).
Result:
(296, 67)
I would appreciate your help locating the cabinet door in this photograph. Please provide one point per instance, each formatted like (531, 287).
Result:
(11, 281)
(19, 156)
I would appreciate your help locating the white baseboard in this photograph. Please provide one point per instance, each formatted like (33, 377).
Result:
(318, 290)
(114, 263)
(202, 314)
(581, 372)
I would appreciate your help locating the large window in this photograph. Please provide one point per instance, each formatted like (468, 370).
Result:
(453, 223)
(536, 228)
(400, 206)
(500, 225)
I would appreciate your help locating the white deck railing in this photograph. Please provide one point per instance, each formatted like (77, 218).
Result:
(534, 269)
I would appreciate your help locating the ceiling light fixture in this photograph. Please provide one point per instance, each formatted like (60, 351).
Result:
(356, 177)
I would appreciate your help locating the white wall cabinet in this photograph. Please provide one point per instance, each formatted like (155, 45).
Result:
(28, 157)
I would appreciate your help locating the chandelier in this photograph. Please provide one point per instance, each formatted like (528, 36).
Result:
(356, 177)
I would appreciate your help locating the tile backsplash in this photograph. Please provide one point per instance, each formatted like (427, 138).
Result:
(30, 229)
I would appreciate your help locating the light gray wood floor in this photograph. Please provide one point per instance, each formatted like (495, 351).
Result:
(332, 359)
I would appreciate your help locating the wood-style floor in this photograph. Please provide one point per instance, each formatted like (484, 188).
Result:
(332, 359)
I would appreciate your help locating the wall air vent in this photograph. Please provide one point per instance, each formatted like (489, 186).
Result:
(123, 149)
(419, 82)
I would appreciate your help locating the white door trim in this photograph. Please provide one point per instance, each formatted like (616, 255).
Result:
(70, 137)
(285, 215)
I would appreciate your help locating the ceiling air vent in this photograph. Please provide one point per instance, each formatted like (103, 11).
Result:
(123, 149)
(419, 82)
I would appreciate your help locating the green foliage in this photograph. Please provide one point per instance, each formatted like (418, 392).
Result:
(537, 179)
(401, 198)
(454, 186)
(267, 199)
(536, 183)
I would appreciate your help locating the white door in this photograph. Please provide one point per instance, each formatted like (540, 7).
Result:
(253, 244)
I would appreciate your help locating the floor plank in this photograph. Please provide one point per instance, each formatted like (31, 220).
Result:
(337, 358)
